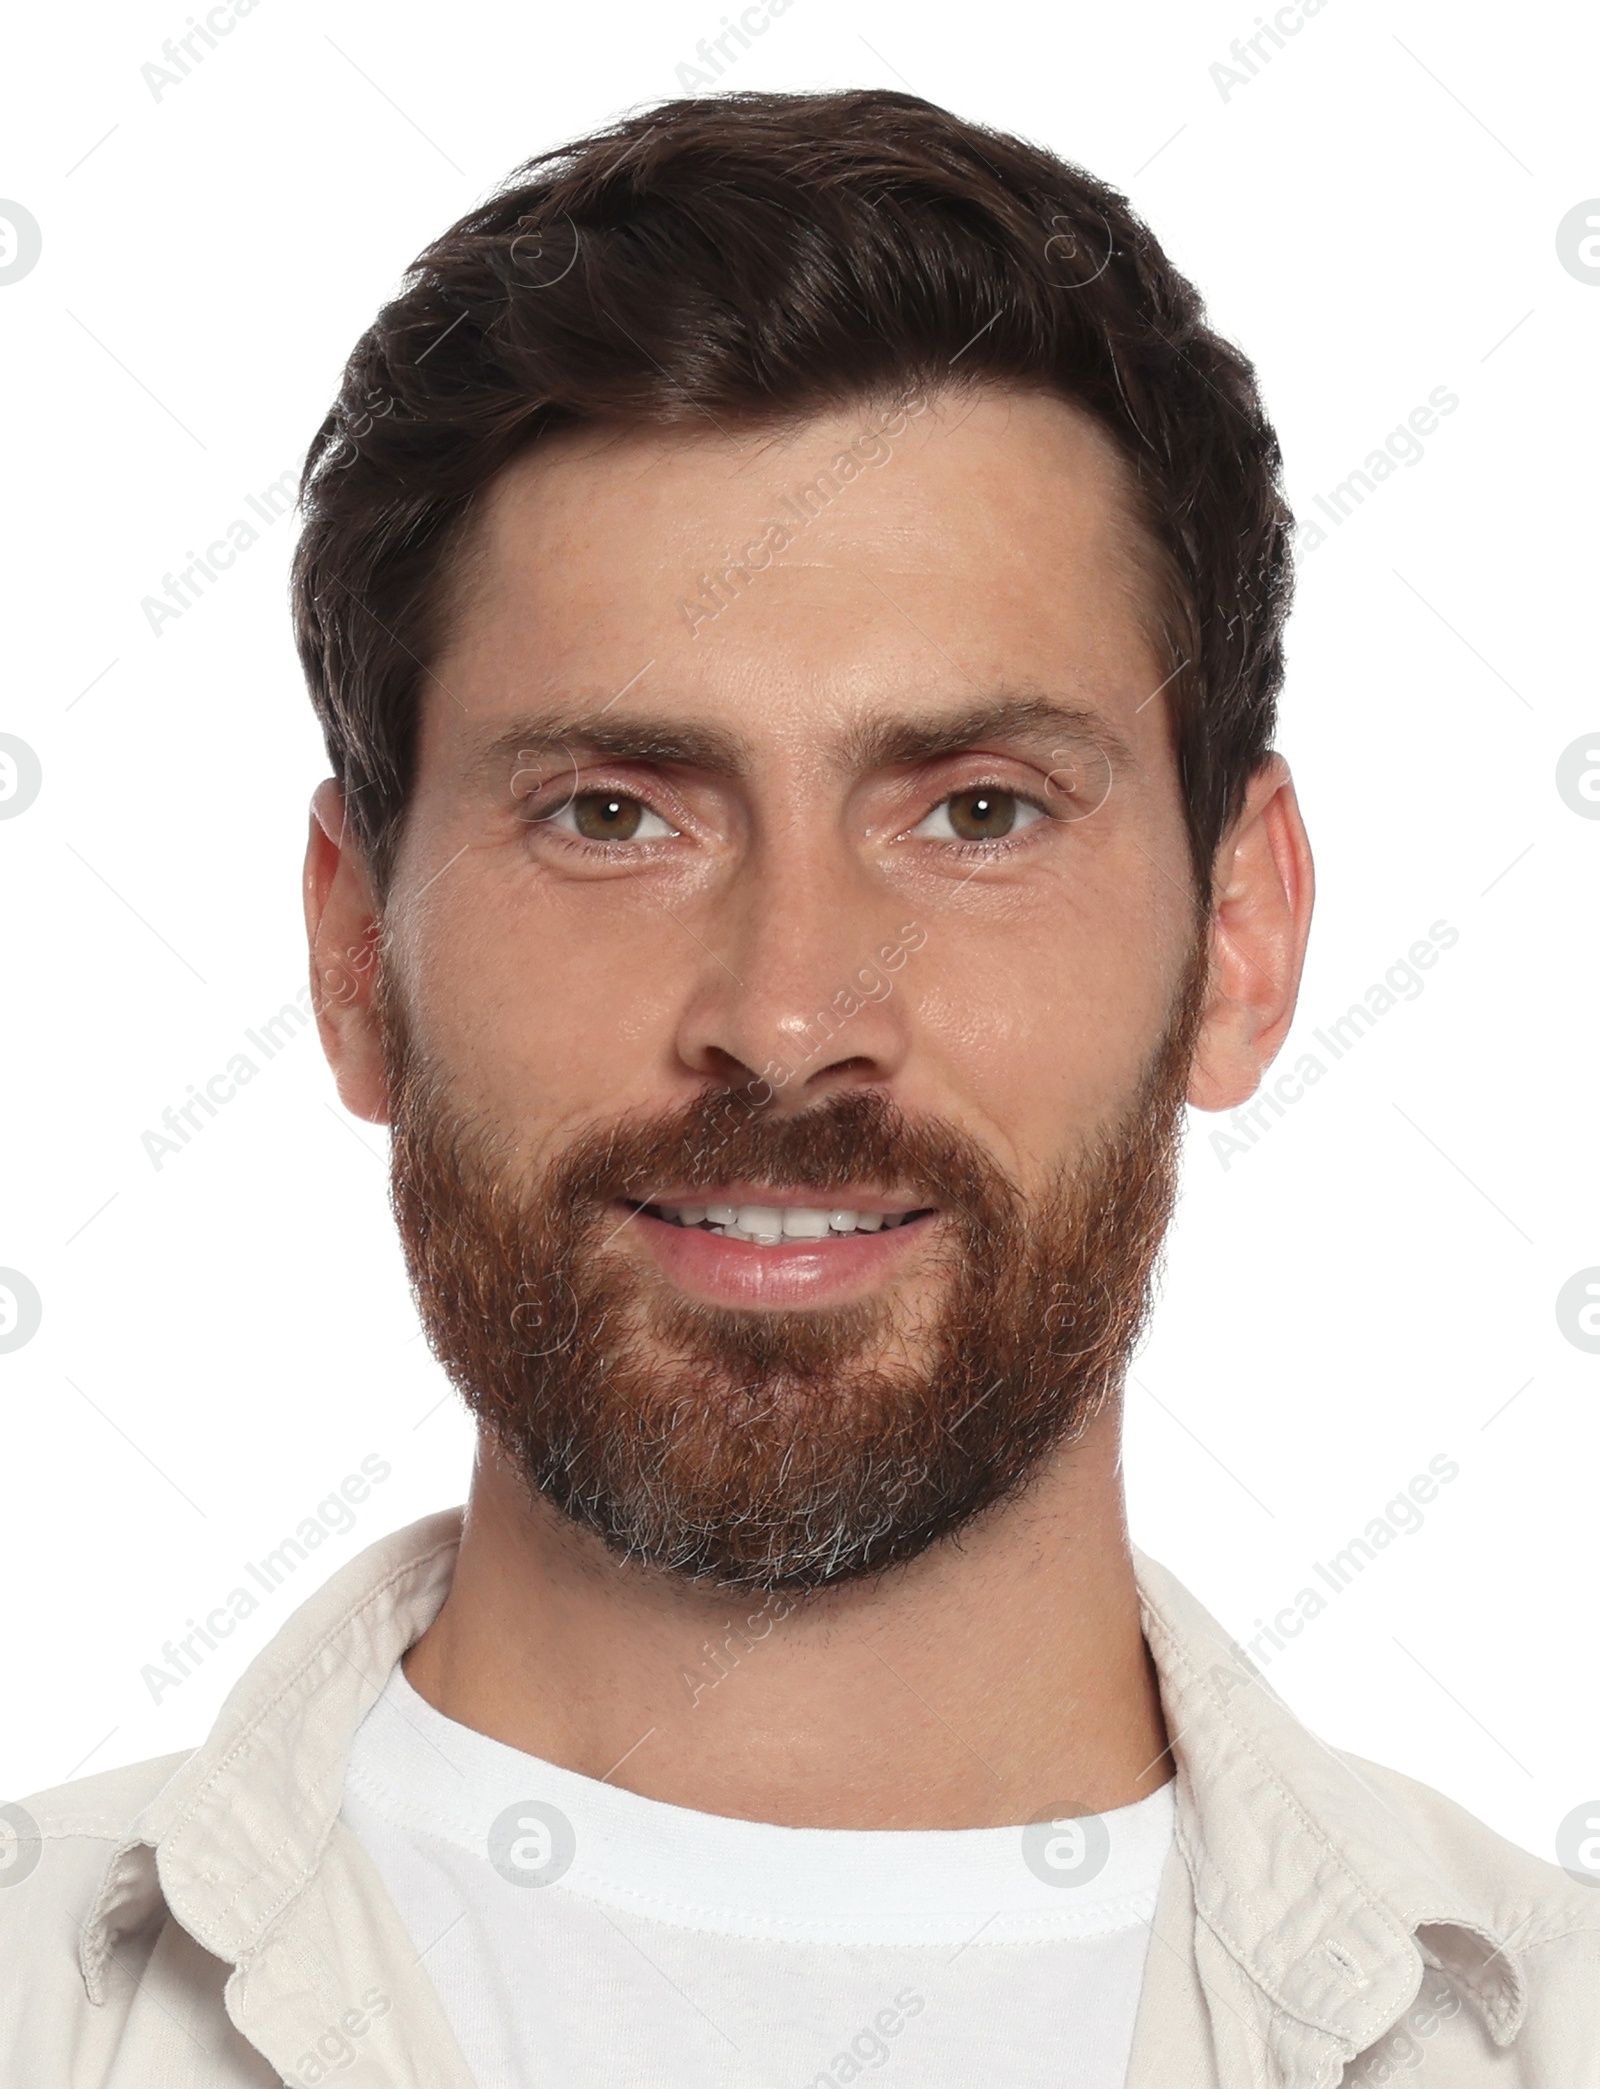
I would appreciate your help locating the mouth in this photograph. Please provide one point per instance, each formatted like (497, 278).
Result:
(749, 1244)
(773, 1220)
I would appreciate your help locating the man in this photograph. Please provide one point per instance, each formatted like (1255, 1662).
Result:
(793, 590)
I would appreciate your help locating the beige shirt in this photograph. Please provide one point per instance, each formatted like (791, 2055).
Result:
(206, 1921)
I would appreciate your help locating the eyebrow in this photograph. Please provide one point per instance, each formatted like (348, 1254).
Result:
(874, 743)
(879, 742)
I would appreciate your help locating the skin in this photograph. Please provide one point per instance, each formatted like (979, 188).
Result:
(1003, 1677)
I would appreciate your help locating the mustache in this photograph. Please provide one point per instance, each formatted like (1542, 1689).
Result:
(859, 1139)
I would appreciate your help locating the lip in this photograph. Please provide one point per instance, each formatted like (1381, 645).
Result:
(728, 1272)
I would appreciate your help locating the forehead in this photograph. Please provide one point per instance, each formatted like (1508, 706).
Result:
(794, 587)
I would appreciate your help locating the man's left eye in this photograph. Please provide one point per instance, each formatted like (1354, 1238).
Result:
(611, 816)
(979, 815)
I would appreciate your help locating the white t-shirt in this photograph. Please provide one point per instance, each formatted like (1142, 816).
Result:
(579, 1934)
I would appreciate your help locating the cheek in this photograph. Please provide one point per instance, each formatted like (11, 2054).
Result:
(1041, 1033)
(532, 1011)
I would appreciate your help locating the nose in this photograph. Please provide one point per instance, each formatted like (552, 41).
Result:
(802, 987)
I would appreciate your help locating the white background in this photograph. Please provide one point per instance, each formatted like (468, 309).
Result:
(1372, 1284)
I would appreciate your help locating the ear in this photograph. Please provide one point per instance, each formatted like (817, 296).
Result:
(1262, 891)
(343, 930)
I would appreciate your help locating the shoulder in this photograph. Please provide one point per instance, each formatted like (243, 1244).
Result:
(55, 1844)
(105, 1806)
(1483, 1865)
(1548, 1918)
(56, 1850)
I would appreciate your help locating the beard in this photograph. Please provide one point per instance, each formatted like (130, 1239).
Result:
(779, 1449)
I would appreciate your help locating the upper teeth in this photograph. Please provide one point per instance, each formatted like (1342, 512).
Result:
(770, 1223)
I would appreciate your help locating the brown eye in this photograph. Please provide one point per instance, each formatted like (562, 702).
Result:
(982, 815)
(606, 816)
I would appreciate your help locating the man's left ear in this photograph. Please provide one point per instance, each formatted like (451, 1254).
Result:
(1262, 891)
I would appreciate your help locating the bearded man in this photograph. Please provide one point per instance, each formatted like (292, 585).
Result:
(793, 589)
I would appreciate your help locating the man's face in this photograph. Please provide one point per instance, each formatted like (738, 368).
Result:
(789, 985)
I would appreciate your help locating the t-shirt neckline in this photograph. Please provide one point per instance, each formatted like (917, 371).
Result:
(434, 1777)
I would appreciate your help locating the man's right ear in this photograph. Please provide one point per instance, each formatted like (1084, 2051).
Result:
(343, 931)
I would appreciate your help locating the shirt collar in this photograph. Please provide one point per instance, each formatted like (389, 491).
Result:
(1331, 1900)
(236, 1834)
(1302, 1869)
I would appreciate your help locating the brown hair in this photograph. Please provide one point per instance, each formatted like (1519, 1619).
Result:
(761, 258)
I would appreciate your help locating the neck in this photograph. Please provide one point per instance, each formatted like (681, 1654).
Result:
(991, 1681)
